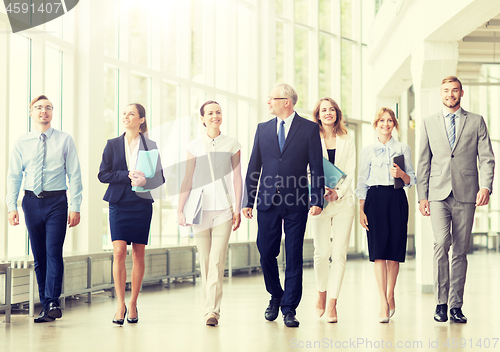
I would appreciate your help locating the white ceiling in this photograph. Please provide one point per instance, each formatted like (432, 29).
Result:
(482, 46)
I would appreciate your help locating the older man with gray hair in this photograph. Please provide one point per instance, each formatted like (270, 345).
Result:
(283, 149)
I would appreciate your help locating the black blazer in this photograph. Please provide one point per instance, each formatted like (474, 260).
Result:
(288, 169)
(113, 170)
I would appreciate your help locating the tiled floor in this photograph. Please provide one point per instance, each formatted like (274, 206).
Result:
(170, 319)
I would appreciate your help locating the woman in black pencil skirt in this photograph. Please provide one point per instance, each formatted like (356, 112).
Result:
(130, 211)
(383, 209)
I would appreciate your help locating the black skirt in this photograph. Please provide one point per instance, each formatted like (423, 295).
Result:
(130, 218)
(387, 211)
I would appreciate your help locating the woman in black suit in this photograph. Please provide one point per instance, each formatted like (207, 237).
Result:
(130, 211)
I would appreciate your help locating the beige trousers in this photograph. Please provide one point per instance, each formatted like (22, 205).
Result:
(212, 238)
(331, 232)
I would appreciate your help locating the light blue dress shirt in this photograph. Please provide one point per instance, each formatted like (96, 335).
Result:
(61, 160)
(376, 163)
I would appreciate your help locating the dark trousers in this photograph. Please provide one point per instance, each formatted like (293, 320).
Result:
(271, 224)
(46, 220)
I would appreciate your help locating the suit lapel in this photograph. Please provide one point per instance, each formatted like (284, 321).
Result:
(463, 120)
(323, 148)
(340, 150)
(121, 151)
(297, 120)
(441, 127)
(271, 134)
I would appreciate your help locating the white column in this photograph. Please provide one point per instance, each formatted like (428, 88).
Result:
(89, 66)
(430, 63)
(4, 149)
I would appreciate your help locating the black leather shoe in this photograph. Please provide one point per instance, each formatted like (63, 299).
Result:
(441, 313)
(457, 316)
(272, 309)
(54, 311)
(43, 317)
(290, 320)
(120, 321)
(133, 320)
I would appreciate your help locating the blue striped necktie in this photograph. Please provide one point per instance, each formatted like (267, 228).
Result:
(40, 158)
(281, 135)
(451, 130)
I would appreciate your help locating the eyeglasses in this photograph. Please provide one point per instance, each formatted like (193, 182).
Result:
(40, 108)
(271, 98)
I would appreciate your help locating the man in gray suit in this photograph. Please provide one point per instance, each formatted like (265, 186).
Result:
(453, 143)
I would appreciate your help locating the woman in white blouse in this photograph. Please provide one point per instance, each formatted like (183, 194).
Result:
(332, 228)
(383, 209)
(211, 159)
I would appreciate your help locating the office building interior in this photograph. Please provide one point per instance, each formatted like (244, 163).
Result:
(172, 56)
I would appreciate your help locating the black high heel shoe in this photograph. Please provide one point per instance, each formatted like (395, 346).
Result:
(120, 321)
(134, 320)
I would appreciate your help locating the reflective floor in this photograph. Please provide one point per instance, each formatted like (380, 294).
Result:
(170, 318)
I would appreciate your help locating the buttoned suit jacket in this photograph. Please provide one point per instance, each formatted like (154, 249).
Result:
(113, 170)
(286, 170)
(442, 169)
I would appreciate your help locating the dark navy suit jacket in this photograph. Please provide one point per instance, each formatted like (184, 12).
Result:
(285, 170)
(113, 170)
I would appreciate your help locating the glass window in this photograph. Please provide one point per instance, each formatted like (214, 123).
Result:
(367, 14)
(54, 27)
(111, 115)
(280, 54)
(347, 78)
(302, 11)
(138, 90)
(347, 11)
(53, 83)
(325, 15)
(19, 99)
(68, 26)
(169, 38)
(222, 47)
(325, 66)
(169, 102)
(138, 36)
(198, 97)
(365, 87)
(280, 7)
(243, 54)
(110, 31)
(197, 30)
(302, 66)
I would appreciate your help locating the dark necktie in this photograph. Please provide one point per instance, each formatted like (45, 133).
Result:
(281, 135)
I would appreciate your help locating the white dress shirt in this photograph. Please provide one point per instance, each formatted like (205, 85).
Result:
(288, 124)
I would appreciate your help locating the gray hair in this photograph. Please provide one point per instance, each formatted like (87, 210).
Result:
(288, 92)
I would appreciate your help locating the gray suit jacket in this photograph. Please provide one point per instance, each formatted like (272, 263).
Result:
(442, 170)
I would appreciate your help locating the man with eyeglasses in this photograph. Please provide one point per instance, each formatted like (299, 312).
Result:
(283, 149)
(45, 157)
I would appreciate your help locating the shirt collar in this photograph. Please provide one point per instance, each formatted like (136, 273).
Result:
(47, 133)
(288, 120)
(389, 144)
(457, 113)
(206, 138)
